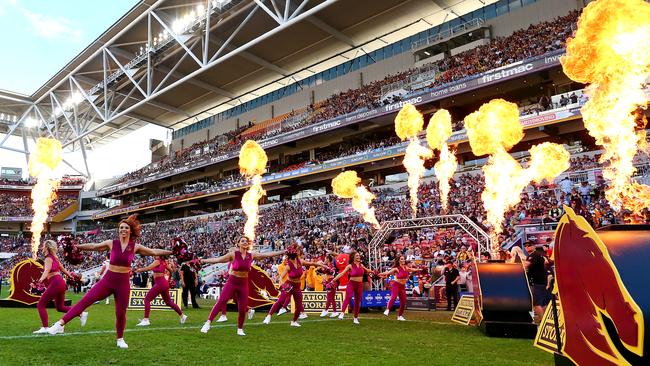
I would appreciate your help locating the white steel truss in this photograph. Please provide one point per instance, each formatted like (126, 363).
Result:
(460, 221)
(81, 104)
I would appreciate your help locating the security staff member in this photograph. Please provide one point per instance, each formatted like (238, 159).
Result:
(451, 284)
(189, 282)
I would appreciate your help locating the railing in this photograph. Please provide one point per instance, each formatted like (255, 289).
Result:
(451, 32)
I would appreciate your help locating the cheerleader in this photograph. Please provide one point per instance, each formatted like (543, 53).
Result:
(160, 287)
(237, 284)
(330, 286)
(398, 285)
(56, 286)
(355, 285)
(117, 279)
(292, 287)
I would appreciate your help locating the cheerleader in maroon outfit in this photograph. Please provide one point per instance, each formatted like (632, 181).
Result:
(237, 283)
(56, 286)
(292, 287)
(355, 285)
(330, 286)
(160, 267)
(398, 285)
(117, 279)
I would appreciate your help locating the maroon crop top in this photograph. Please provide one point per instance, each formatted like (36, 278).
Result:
(295, 273)
(122, 258)
(161, 267)
(356, 271)
(56, 266)
(241, 264)
(402, 274)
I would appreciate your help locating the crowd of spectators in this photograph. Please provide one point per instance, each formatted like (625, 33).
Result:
(19, 203)
(533, 41)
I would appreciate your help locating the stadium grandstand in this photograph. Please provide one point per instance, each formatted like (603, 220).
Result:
(331, 110)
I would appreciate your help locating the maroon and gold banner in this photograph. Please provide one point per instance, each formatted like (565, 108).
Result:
(261, 289)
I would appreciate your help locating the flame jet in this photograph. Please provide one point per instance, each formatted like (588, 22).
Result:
(348, 185)
(252, 163)
(438, 132)
(408, 123)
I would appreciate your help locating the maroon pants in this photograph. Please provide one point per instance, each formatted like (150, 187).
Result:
(331, 299)
(353, 288)
(237, 288)
(114, 283)
(285, 296)
(55, 291)
(160, 287)
(397, 289)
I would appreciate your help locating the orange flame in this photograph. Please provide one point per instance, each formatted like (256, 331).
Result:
(438, 132)
(408, 123)
(348, 185)
(252, 164)
(493, 130)
(43, 161)
(611, 52)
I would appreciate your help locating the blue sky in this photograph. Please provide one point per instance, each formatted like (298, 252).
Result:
(43, 36)
(38, 39)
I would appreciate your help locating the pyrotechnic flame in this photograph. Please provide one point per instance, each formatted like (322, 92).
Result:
(438, 132)
(348, 185)
(408, 123)
(43, 161)
(252, 163)
(611, 52)
(493, 130)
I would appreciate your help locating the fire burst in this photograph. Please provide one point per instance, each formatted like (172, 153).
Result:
(348, 185)
(493, 130)
(42, 163)
(438, 132)
(252, 163)
(408, 123)
(611, 52)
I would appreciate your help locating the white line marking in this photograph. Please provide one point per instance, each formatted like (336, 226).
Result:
(214, 326)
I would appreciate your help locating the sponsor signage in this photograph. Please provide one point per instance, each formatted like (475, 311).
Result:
(464, 311)
(315, 301)
(136, 299)
(376, 299)
(420, 303)
(430, 95)
(546, 338)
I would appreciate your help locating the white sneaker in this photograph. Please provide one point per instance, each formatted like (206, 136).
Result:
(266, 320)
(341, 315)
(206, 327)
(183, 318)
(43, 330)
(302, 316)
(240, 332)
(222, 319)
(401, 318)
(83, 318)
(108, 301)
(294, 324)
(122, 344)
(334, 315)
(56, 328)
(143, 323)
(356, 321)
(282, 311)
(386, 312)
(324, 313)
(251, 312)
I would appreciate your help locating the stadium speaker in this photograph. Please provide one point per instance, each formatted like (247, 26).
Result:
(504, 302)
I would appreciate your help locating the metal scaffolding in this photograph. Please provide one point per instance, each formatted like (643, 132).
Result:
(460, 221)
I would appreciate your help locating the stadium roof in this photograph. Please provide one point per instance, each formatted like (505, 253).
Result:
(250, 48)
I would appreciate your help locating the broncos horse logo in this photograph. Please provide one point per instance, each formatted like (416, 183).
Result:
(603, 324)
(261, 289)
(22, 275)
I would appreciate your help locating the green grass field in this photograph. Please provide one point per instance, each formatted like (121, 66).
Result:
(426, 338)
